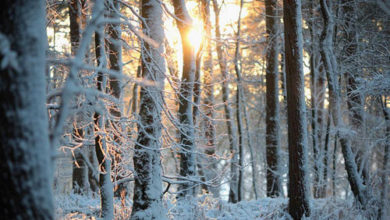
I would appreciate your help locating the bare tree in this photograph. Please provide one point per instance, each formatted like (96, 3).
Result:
(101, 148)
(187, 155)
(80, 169)
(272, 108)
(210, 164)
(354, 98)
(147, 200)
(239, 96)
(233, 191)
(330, 66)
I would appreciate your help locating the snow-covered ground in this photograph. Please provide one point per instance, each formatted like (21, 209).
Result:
(205, 207)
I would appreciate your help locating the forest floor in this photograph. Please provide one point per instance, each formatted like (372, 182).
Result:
(205, 207)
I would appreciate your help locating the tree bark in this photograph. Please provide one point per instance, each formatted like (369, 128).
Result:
(25, 154)
(239, 96)
(147, 200)
(298, 192)
(102, 155)
(187, 154)
(383, 210)
(80, 170)
(272, 99)
(210, 165)
(114, 51)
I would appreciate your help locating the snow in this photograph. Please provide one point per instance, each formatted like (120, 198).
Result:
(206, 207)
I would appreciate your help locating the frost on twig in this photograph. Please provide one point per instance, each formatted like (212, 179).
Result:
(8, 57)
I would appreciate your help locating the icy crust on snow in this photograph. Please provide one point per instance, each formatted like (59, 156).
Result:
(206, 207)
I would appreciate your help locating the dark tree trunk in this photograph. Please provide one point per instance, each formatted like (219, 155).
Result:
(113, 44)
(25, 154)
(80, 170)
(74, 8)
(272, 108)
(197, 85)
(187, 154)
(334, 157)
(383, 209)
(147, 200)
(239, 96)
(105, 184)
(325, 160)
(210, 165)
(80, 180)
(314, 98)
(298, 192)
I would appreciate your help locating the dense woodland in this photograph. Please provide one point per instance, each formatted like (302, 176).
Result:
(194, 109)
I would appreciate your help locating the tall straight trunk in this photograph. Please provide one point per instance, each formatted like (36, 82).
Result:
(334, 157)
(80, 169)
(314, 107)
(25, 154)
(74, 8)
(114, 52)
(239, 96)
(325, 160)
(102, 154)
(210, 166)
(147, 165)
(317, 87)
(330, 65)
(298, 192)
(134, 106)
(354, 98)
(383, 209)
(197, 85)
(283, 72)
(272, 99)
(233, 196)
(187, 154)
(251, 152)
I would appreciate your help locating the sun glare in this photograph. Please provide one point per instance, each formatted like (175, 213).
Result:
(195, 35)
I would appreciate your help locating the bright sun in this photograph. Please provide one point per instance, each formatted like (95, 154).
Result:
(195, 35)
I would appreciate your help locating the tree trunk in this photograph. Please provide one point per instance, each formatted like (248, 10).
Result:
(197, 85)
(104, 160)
(239, 96)
(25, 154)
(334, 158)
(354, 98)
(147, 200)
(187, 154)
(80, 170)
(210, 166)
(383, 209)
(272, 99)
(233, 196)
(330, 66)
(298, 192)
(325, 161)
(113, 44)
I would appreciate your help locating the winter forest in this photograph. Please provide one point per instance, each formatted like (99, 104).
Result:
(194, 109)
